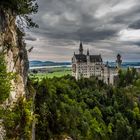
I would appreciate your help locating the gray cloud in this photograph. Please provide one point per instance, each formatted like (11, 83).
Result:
(89, 35)
(100, 24)
(30, 38)
(135, 25)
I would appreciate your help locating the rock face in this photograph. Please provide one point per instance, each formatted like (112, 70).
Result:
(13, 48)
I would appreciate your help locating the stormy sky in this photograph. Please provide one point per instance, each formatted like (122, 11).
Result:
(105, 27)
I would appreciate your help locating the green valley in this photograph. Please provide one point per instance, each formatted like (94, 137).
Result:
(88, 109)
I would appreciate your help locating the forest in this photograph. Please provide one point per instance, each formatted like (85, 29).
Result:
(88, 109)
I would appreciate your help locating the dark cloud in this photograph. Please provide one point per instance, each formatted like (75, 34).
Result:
(135, 25)
(127, 17)
(64, 22)
(136, 43)
(90, 35)
(30, 38)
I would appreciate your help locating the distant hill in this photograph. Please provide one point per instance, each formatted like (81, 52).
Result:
(126, 64)
(47, 63)
(51, 63)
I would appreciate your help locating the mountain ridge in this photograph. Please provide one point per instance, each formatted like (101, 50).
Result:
(37, 63)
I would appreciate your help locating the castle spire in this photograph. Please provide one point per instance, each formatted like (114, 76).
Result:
(87, 51)
(119, 61)
(81, 48)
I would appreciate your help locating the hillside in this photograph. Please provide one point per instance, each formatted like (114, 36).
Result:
(88, 109)
(37, 63)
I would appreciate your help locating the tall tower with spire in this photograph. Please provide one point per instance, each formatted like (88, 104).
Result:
(88, 56)
(87, 51)
(119, 61)
(81, 48)
(88, 63)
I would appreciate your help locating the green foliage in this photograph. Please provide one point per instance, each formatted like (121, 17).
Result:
(18, 120)
(5, 85)
(21, 8)
(127, 77)
(87, 109)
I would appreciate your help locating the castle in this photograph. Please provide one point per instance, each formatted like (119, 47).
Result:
(86, 65)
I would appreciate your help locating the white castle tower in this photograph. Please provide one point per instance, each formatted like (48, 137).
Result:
(86, 65)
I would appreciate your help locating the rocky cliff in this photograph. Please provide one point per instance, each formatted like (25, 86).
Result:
(13, 48)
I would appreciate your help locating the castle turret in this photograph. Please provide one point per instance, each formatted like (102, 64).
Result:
(88, 63)
(108, 73)
(88, 56)
(118, 61)
(102, 73)
(87, 52)
(81, 48)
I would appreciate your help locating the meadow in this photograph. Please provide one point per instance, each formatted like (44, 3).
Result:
(55, 72)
